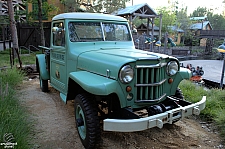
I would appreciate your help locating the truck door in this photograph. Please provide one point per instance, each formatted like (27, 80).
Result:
(58, 75)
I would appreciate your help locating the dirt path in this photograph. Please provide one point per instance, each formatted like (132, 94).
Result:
(55, 127)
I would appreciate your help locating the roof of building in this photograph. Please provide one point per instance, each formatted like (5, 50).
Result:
(198, 18)
(176, 29)
(200, 25)
(136, 9)
(85, 15)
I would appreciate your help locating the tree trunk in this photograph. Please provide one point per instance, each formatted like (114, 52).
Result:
(41, 23)
(13, 31)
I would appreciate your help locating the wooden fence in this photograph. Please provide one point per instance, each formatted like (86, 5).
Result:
(28, 35)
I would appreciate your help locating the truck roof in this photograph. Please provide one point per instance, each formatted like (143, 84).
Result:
(89, 16)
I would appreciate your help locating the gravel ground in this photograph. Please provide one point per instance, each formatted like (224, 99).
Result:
(55, 127)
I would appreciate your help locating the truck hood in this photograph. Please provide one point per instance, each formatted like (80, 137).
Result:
(99, 61)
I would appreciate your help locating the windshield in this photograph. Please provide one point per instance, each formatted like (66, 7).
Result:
(97, 31)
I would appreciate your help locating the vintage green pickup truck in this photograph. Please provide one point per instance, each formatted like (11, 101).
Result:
(115, 87)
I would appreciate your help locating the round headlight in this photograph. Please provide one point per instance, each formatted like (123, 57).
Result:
(172, 68)
(126, 74)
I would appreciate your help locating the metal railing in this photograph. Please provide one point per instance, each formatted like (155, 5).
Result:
(28, 49)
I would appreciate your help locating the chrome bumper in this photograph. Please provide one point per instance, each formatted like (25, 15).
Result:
(158, 120)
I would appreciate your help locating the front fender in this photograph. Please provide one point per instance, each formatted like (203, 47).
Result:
(185, 73)
(95, 84)
(42, 66)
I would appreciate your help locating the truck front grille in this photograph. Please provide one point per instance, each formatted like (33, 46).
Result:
(150, 82)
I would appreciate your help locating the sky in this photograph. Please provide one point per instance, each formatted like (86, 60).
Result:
(217, 5)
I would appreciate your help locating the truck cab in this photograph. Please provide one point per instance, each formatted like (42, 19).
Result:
(93, 61)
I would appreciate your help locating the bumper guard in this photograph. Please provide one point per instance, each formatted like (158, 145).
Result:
(158, 120)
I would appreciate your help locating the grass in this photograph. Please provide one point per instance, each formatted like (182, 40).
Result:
(25, 57)
(215, 103)
(14, 118)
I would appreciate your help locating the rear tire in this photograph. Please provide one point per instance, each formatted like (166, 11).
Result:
(43, 84)
(87, 121)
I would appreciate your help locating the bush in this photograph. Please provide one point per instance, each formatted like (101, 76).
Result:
(215, 103)
(14, 119)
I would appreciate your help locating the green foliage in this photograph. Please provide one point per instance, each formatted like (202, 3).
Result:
(168, 19)
(199, 12)
(13, 116)
(216, 20)
(11, 76)
(4, 59)
(109, 6)
(49, 10)
(138, 21)
(183, 21)
(113, 5)
(25, 57)
(4, 19)
(215, 103)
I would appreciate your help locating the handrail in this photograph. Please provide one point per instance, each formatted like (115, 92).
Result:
(29, 49)
(34, 47)
(24, 48)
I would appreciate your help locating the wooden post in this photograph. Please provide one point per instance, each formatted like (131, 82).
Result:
(160, 27)
(41, 22)
(165, 42)
(13, 31)
(152, 36)
(3, 36)
(222, 75)
(148, 27)
(130, 22)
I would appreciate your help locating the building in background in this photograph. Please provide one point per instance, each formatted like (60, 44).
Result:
(200, 23)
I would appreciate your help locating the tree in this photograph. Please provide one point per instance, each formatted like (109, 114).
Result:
(217, 21)
(14, 33)
(183, 22)
(199, 12)
(168, 19)
(113, 5)
(40, 22)
(137, 21)
(40, 11)
(108, 6)
(48, 10)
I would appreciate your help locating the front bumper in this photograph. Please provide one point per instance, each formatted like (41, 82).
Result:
(130, 125)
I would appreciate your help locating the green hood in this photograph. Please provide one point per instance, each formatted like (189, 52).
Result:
(99, 61)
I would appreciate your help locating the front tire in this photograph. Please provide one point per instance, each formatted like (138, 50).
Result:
(87, 121)
(43, 84)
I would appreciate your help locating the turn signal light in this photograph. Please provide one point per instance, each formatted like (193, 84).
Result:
(170, 80)
(128, 88)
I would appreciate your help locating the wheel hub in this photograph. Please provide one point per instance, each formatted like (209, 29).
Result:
(80, 122)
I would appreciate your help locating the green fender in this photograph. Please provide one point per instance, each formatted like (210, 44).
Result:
(98, 85)
(184, 73)
(42, 66)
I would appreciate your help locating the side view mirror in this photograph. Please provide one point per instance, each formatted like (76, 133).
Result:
(56, 30)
